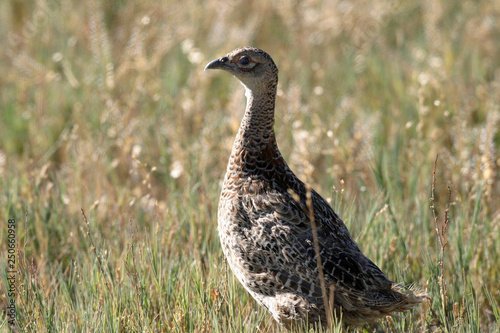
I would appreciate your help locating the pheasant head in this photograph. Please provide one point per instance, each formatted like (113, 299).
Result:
(253, 67)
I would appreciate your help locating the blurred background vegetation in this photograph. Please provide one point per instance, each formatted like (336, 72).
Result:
(105, 108)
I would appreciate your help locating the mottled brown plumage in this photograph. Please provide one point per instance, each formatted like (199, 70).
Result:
(266, 235)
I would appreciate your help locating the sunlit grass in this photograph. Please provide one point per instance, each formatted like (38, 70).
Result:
(106, 108)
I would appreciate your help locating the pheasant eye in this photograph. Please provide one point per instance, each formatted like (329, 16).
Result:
(245, 61)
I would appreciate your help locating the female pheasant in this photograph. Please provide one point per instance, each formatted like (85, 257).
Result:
(265, 224)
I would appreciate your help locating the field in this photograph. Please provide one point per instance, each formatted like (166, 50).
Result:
(114, 144)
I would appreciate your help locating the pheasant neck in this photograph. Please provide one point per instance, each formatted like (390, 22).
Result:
(256, 133)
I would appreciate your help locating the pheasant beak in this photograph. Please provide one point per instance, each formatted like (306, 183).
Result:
(221, 63)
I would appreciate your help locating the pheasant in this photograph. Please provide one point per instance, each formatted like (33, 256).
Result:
(266, 216)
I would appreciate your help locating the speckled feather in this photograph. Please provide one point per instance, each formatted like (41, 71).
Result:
(266, 235)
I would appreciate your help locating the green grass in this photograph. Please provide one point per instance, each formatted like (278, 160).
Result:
(106, 108)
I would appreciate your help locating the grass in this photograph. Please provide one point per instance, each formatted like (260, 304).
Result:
(113, 144)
